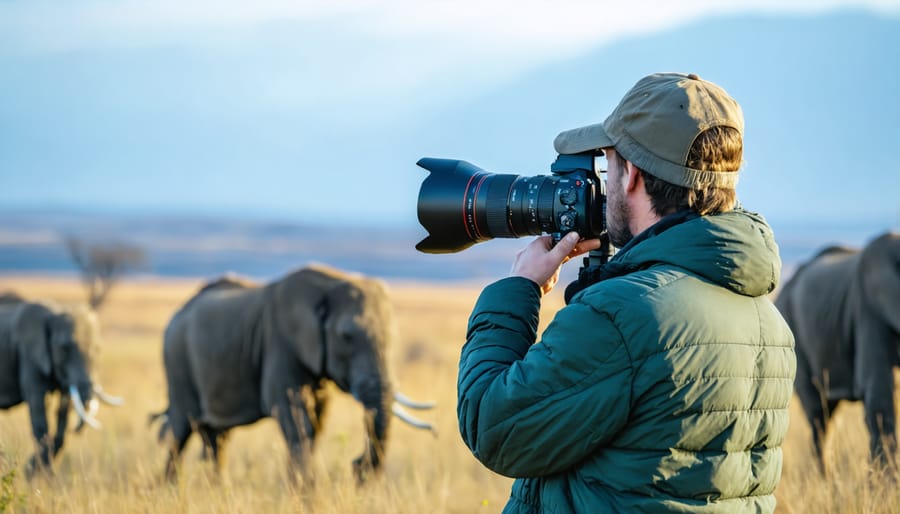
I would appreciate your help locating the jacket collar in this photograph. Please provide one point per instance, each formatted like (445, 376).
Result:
(735, 249)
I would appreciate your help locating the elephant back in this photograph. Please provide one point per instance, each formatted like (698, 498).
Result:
(174, 336)
(816, 295)
(806, 270)
(227, 282)
(11, 298)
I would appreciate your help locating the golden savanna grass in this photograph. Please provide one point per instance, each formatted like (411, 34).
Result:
(118, 469)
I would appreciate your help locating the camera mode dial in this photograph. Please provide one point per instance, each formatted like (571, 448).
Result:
(568, 196)
(567, 220)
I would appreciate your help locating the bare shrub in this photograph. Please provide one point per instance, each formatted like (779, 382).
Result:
(102, 264)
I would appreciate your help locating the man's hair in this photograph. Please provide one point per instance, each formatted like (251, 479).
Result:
(718, 149)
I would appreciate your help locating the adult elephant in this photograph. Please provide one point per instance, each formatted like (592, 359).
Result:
(237, 352)
(844, 309)
(45, 348)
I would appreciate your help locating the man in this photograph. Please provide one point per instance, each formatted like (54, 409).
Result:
(663, 385)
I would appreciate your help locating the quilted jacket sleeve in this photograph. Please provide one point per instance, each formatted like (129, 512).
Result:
(528, 410)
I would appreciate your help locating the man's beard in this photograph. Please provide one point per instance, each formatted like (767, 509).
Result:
(617, 215)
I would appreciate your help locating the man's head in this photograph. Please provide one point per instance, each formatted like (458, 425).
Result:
(683, 134)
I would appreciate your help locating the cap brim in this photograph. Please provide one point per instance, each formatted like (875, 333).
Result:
(582, 139)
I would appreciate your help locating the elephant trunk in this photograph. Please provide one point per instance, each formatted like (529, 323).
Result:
(376, 397)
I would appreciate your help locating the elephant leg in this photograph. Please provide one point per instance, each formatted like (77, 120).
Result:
(319, 409)
(62, 422)
(214, 441)
(880, 420)
(815, 406)
(180, 431)
(299, 432)
(830, 407)
(42, 460)
(876, 374)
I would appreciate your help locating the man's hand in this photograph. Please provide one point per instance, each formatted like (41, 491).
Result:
(540, 262)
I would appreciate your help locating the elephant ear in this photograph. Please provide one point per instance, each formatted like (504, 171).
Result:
(32, 332)
(85, 331)
(299, 310)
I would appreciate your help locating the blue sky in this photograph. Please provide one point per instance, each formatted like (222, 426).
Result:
(305, 111)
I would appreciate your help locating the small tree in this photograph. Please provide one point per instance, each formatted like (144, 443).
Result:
(102, 264)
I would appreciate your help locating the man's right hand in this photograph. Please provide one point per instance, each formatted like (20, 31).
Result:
(540, 261)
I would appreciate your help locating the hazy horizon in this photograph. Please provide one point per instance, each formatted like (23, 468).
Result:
(206, 247)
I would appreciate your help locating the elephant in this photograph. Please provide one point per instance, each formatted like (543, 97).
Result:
(238, 352)
(843, 306)
(46, 348)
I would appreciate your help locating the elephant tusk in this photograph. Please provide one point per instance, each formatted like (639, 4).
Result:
(79, 408)
(402, 399)
(108, 398)
(93, 407)
(401, 413)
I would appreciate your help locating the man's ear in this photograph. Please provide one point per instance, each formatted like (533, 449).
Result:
(633, 177)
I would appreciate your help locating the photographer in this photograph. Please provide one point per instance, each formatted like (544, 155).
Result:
(664, 384)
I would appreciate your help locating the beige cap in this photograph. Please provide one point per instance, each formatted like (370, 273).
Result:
(655, 125)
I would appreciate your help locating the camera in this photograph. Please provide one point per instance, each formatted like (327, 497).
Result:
(461, 204)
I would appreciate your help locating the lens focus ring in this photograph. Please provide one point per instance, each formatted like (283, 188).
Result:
(496, 209)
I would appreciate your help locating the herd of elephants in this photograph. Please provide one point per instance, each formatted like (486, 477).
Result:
(237, 352)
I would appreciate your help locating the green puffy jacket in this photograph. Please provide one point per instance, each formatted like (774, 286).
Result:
(664, 388)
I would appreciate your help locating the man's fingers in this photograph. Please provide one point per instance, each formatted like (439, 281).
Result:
(585, 246)
(565, 246)
(570, 246)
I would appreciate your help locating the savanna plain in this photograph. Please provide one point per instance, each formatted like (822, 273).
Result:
(119, 468)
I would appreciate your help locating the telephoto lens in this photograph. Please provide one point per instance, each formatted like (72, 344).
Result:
(461, 204)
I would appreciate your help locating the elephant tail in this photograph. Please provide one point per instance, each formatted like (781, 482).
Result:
(163, 418)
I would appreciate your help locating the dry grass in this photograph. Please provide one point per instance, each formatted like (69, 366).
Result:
(118, 469)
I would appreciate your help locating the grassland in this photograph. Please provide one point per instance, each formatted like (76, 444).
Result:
(118, 469)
